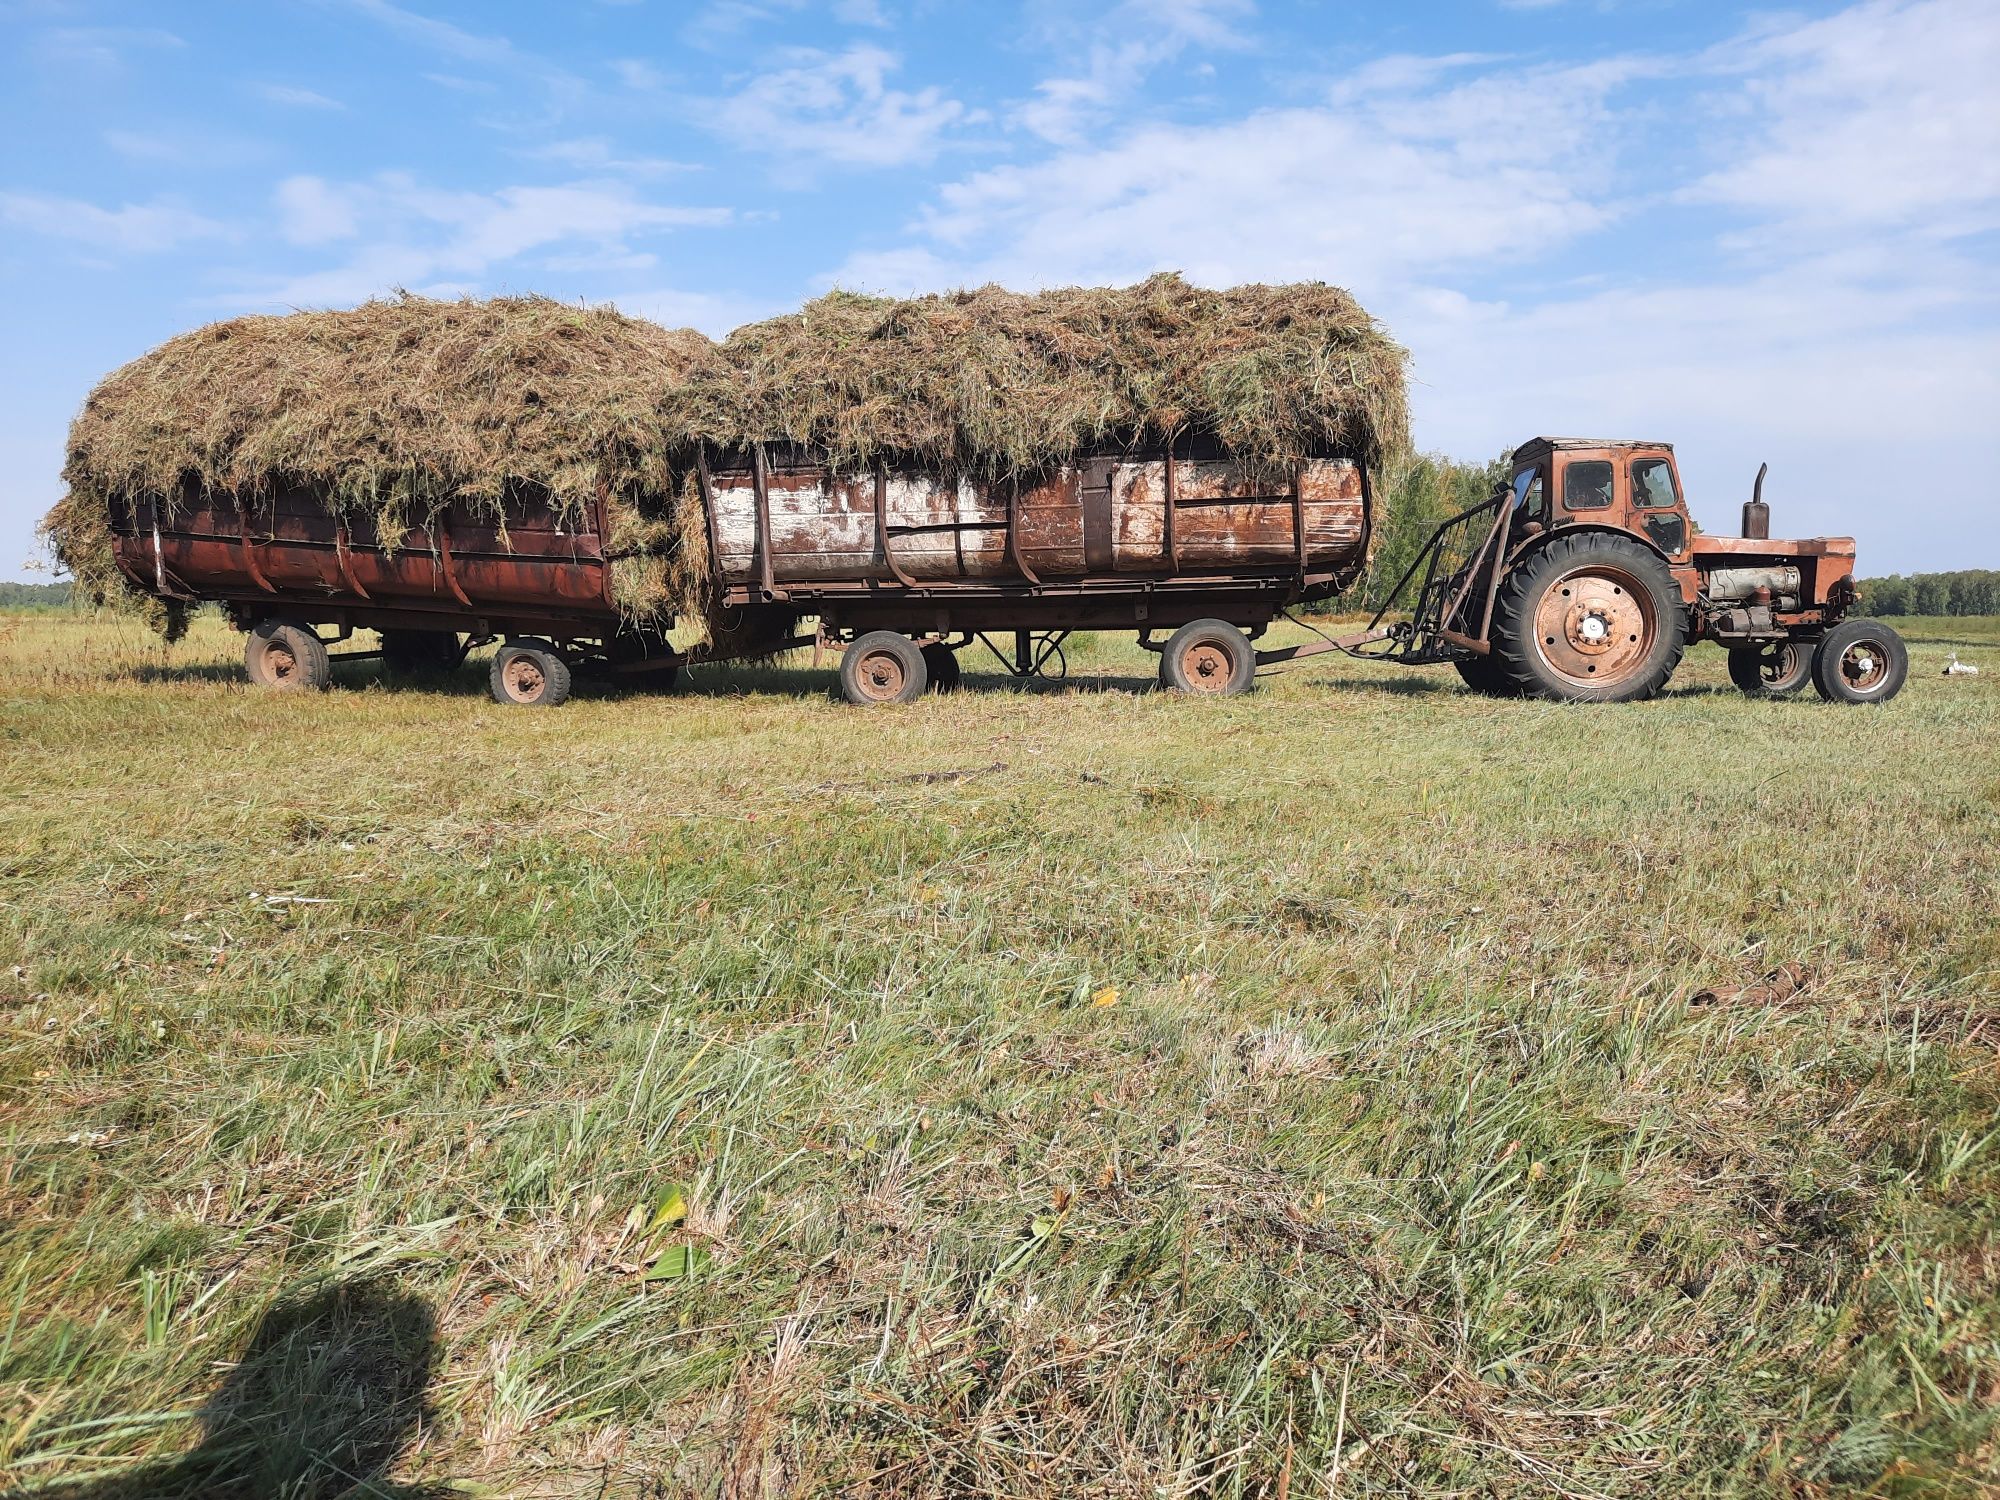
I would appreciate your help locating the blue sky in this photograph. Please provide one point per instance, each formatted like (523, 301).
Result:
(1758, 234)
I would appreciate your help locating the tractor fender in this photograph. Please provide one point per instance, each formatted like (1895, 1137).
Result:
(1686, 577)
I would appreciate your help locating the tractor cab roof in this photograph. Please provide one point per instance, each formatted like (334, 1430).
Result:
(1544, 444)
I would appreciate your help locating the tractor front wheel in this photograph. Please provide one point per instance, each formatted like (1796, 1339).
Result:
(1589, 618)
(1860, 661)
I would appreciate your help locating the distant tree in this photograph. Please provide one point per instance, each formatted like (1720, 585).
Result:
(1886, 596)
(1411, 496)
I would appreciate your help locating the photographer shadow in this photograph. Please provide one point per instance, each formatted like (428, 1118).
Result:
(327, 1396)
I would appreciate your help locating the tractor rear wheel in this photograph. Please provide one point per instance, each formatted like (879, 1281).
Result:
(1589, 618)
(286, 654)
(1485, 674)
(1860, 661)
(1774, 671)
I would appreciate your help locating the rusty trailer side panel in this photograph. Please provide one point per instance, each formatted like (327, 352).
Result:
(289, 555)
(1136, 538)
(1107, 518)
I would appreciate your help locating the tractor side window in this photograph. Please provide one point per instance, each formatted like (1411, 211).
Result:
(1653, 484)
(1587, 485)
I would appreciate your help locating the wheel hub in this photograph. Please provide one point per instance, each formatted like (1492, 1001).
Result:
(523, 678)
(1864, 666)
(1206, 668)
(280, 663)
(1593, 627)
(881, 675)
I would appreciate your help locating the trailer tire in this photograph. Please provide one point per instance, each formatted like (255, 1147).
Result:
(407, 652)
(883, 667)
(630, 647)
(941, 663)
(1774, 671)
(1209, 658)
(1485, 674)
(287, 655)
(1592, 617)
(529, 673)
(1860, 661)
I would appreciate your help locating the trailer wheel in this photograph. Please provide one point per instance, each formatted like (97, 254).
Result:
(629, 647)
(1590, 618)
(1773, 671)
(285, 654)
(1209, 657)
(1860, 661)
(883, 667)
(529, 672)
(1485, 674)
(941, 663)
(412, 651)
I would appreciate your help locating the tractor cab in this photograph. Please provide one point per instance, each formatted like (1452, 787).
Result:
(1631, 487)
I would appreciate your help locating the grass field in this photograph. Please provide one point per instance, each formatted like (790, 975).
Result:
(1357, 1088)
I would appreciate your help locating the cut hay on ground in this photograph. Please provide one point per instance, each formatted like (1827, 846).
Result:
(1000, 381)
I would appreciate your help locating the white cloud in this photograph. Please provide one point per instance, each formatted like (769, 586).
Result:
(282, 93)
(1374, 186)
(637, 74)
(1136, 37)
(420, 236)
(713, 314)
(838, 107)
(1885, 114)
(595, 154)
(311, 212)
(132, 229)
(720, 23)
(100, 49)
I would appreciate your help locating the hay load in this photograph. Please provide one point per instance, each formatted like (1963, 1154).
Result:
(396, 408)
(997, 381)
(399, 408)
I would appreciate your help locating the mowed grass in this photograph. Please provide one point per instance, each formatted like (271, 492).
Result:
(1361, 1087)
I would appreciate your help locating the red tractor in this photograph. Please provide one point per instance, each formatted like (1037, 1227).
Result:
(1583, 579)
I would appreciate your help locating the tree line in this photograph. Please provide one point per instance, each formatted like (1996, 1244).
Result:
(33, 595)
(1970, 591)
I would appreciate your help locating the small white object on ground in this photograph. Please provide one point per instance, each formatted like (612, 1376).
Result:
(1957, 668)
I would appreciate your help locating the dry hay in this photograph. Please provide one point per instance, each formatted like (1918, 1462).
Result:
(1000, 381)
(397, 409)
